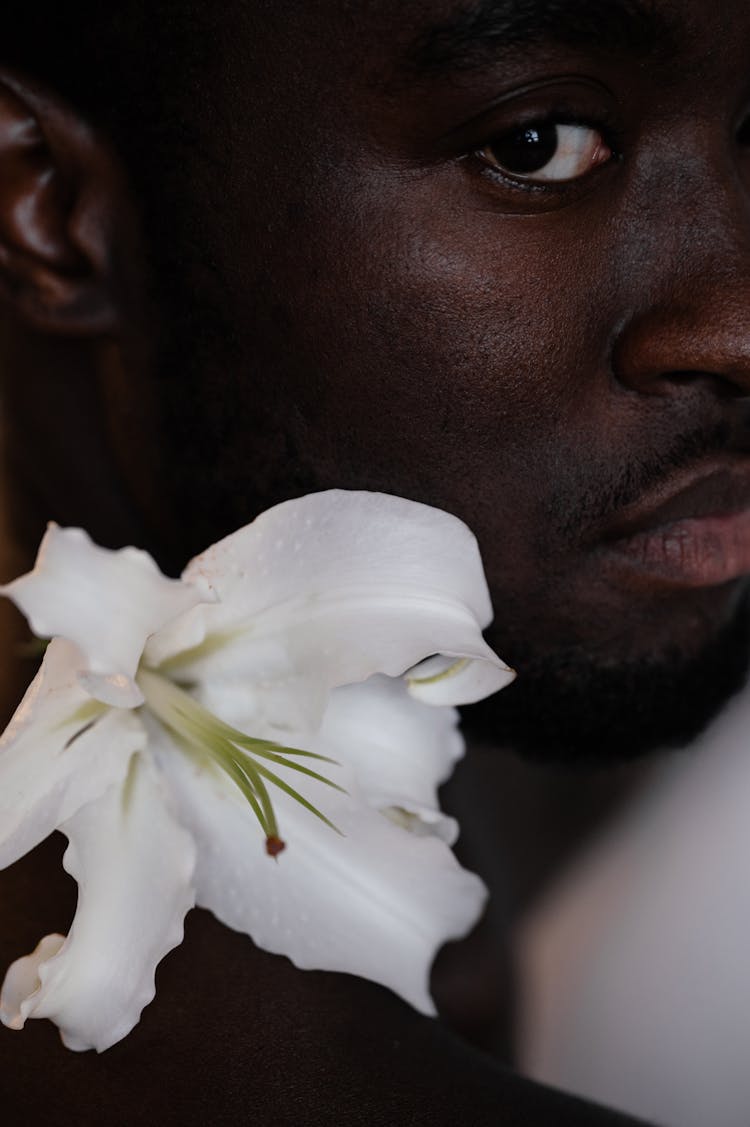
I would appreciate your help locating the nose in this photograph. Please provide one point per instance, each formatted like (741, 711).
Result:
(663, 350)
(691, 322)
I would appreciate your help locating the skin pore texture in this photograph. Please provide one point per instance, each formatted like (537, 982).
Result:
(534, 356)
(322, 249)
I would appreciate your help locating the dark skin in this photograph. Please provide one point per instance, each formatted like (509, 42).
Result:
(404, 314)
(528, 383)
(544, 400)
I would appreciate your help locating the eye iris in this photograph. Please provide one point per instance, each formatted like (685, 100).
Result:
(526, 150)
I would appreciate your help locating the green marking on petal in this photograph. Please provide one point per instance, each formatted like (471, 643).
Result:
(206, 648)
(451, 671)
(200, 732)
(89, 710)
(129, 784)
(407, 820)
(85, 716)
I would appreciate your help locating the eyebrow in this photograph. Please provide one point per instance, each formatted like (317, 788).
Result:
(475, 34)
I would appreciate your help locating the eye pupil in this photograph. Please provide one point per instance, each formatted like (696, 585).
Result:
(526, 150)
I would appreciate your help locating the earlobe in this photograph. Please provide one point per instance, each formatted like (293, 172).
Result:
(56, 197)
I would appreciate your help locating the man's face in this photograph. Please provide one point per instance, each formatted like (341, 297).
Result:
(495, 256)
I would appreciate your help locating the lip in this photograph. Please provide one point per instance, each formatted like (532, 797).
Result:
(692, 531)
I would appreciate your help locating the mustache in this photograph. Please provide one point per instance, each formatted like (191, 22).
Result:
(599, 502)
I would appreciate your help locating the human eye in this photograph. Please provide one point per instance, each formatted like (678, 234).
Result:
(546, 152)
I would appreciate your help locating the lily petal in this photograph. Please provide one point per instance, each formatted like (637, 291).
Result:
(400, 749)
(22, 980)
(377, 902)
(134, 867)
(333, 587)
(58, 753)
(106, 602)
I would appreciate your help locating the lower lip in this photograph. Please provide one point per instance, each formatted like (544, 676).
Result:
(699, 552)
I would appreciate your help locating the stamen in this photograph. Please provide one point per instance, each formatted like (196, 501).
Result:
(274, 846)
(236, 753)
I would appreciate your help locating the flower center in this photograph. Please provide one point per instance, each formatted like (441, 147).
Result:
(243, 758)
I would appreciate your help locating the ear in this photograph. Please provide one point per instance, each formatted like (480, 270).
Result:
(61, 198)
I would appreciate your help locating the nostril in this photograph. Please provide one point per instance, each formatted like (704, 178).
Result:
(670, 348)
(721, 384)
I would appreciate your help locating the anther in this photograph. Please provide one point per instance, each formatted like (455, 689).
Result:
(274, 846)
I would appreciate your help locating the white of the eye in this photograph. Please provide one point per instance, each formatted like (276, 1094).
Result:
(578, 147)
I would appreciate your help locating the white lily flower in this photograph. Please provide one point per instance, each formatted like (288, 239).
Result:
(164, 708)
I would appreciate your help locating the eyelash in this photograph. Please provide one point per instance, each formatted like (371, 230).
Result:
(610, 136)
(531, 182)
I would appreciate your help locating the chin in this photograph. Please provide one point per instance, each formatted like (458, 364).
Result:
(569, 706)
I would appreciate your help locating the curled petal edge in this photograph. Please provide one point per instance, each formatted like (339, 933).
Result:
(95, 983)
(453, 679)
(106, 602)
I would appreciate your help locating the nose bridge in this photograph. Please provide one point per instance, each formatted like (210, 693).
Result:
(690, 309)
(694, 212)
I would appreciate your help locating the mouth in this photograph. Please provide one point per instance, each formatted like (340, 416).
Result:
(692, 531)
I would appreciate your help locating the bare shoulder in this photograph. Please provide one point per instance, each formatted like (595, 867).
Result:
(236, 1035)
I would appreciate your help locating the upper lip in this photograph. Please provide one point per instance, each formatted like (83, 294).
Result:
(715, 490)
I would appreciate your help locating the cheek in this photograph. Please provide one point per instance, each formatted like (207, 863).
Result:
(446, 360)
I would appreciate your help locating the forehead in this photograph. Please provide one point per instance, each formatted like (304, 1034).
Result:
(438, 36)
(379, 69)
